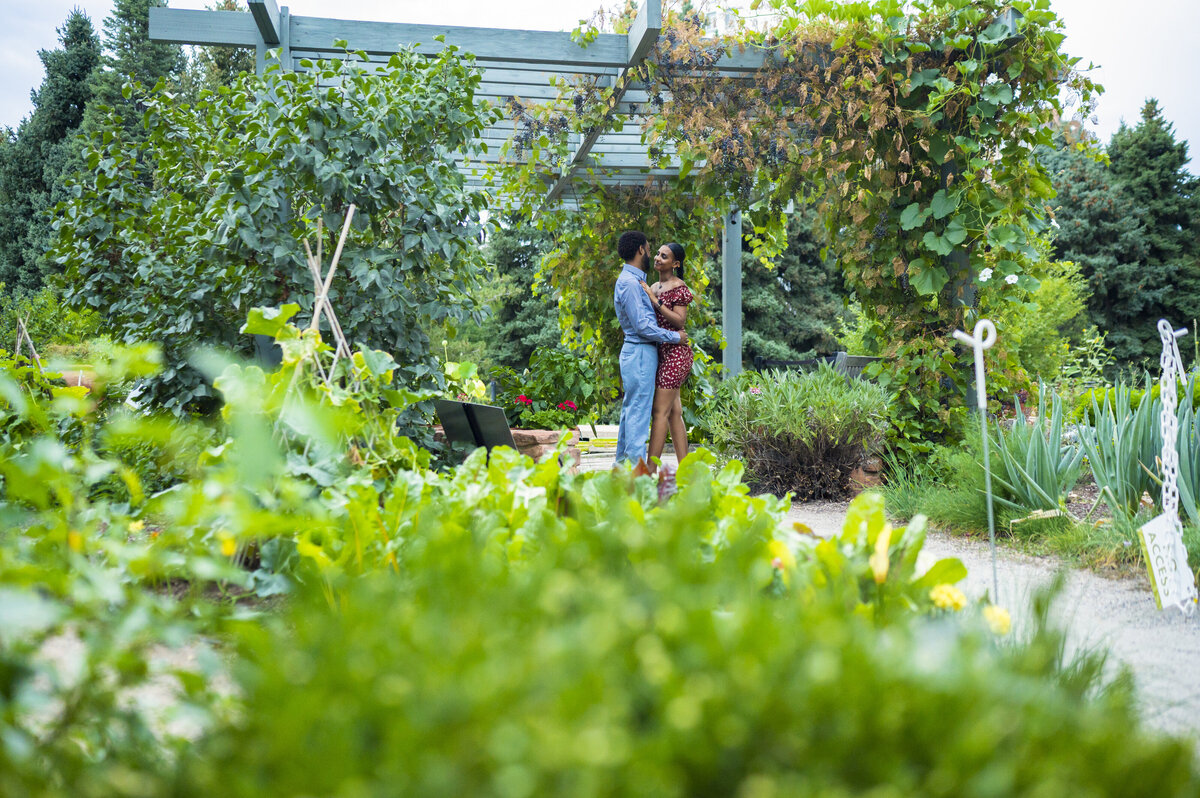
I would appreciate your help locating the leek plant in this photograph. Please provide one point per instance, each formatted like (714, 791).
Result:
(1035, 467)
(1122, 447)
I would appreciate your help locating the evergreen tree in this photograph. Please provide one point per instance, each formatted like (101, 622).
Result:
(213, 67)
(521, 321)
(789, 310)
(130, 56)
(1150, 165)
(32, 161)
(1099, 228)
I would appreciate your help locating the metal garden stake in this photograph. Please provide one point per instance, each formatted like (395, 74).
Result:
(983, 338)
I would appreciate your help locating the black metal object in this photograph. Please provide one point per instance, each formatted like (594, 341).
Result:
(850, 366)
(479, 425)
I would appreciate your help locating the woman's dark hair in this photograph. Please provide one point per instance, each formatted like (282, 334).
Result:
(677, 251)
(629, 243)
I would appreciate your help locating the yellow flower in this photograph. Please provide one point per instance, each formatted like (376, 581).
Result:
(228, 544)
(948, 597)
(137, 526)
(781, 556)
(998, 619)
(879, 560)
(75, 540)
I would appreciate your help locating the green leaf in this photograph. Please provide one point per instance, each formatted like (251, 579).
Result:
(912, 216)
(269, 321)
(927, 278)
(999, 93)
(943, 572)
(936, 243)
(955, 232)
(944, 204)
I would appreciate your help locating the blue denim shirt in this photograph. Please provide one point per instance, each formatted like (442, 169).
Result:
(635, 312)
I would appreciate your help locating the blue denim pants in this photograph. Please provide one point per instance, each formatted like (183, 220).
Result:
(639, 364)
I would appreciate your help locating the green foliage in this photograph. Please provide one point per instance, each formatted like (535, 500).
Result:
(1100, 228)
(1034, 468)
(245, 176)
(537, 397)
(799, 432)
(601, 666)
(48, 320)
(790, 307)
(522, 320)
(512, 623)
(1152, 167)
(1041, 330)
(1121, 446)
(32, 157)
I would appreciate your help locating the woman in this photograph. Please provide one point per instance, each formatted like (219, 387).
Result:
(670, 297)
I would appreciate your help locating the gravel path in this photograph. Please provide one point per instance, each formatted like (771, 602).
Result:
(1162, 648)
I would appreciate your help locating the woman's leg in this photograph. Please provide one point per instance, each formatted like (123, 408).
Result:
(678, 428)
(664, 400)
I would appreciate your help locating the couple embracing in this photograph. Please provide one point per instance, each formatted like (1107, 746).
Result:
(656, 357)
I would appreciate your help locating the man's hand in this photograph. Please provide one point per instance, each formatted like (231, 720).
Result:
(683, 336)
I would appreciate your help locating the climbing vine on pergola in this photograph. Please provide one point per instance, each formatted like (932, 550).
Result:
(910, 126)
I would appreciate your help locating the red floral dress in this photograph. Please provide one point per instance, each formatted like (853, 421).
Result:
(674, 360)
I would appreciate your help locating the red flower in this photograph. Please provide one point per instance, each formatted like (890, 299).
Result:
(567, 405)
(524, 400)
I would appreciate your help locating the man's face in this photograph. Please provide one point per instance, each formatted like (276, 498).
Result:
(644, 252)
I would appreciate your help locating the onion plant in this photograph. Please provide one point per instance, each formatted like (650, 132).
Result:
(1035, 468)
(1122, 447)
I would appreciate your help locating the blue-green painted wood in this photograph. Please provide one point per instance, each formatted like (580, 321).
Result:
(266, 16)
(487, 44)
(731, 292)
(182, 26)
(644, 31)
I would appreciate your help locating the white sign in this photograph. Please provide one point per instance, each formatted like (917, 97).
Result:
(1166, 558)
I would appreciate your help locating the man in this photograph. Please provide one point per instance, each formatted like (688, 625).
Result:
(639, 353)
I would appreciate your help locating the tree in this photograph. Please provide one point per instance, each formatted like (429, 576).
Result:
(212, 67)
(1150, 166)
(31, 163)
(1100, 229)
(242, 178)
(789, 309)
(130, 57)
(521, 321)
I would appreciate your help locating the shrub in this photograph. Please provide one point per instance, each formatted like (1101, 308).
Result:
(541, 397)
(47, 318)
(1034, 468)
(603, 666)
(802, 432)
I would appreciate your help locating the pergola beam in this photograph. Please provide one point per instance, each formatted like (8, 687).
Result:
(642, 35)
(266, 17)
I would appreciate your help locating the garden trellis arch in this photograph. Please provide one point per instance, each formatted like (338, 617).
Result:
(515, 63)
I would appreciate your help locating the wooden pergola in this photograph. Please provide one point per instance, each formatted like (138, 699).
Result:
(515, 63)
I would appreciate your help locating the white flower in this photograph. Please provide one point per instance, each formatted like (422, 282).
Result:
(1011, 279)
(985, 275)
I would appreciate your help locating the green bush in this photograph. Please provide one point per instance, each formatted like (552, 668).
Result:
(799, 432)
(617, 661)
(49, 321)
(1033, 468)
(538, 397)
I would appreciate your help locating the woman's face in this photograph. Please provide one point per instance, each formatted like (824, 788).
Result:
(665, 259)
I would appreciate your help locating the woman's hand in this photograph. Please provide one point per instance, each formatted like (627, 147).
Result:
(649, 292)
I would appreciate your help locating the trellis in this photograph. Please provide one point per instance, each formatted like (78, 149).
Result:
(515, 64)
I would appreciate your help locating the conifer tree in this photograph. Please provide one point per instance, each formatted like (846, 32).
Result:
(521, 320)
(1098, 227)
(32, 161)
(1151, 167)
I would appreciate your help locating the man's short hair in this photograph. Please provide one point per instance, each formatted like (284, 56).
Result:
(629, 243)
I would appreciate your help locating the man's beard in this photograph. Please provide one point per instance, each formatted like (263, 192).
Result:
(645, 263)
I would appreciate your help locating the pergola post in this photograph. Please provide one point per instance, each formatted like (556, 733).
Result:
(731, 292)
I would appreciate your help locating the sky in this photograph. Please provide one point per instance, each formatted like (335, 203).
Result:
(1144, 49)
